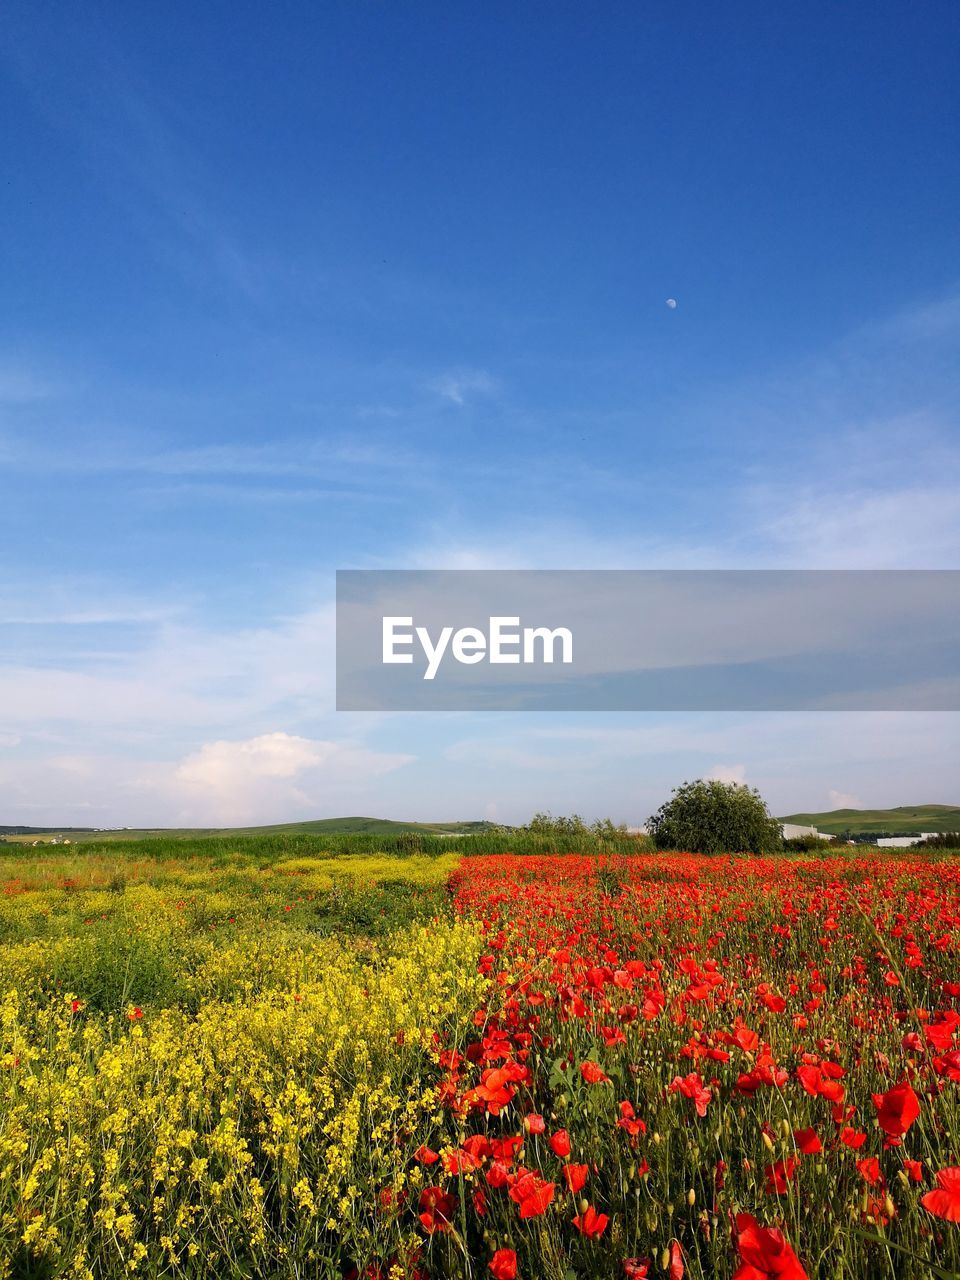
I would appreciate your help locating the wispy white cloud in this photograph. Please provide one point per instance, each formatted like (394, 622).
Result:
(333, 457)
(182, 678)
(127, 129)
(204, 492)
(914, 527)
(459, 386)
(15, 611)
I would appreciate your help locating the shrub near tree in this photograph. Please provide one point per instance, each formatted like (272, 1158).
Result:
(715, 817)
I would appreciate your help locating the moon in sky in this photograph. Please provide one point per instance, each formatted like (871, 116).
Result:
(672, 304)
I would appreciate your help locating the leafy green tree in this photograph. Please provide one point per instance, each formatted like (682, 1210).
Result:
(715, 817)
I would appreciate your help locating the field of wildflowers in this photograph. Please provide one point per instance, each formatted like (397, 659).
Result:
(557, 1067)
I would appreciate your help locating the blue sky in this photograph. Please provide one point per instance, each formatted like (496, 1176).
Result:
(300, 288)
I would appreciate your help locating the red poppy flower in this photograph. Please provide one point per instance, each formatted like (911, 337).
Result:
(532, 1194)
(628, 1120)
(437, 1208)
(636, 1268)
(852, 1138)
(560, 1143)
(692, 1087)
(534, 1123)
(896, 1109)
(593, 1074)
(818, 1083)
(764, 1252)
(591, 1223)
(677, 1267)
(575, 1176)
(940, 1034)
(807, 1141)
(747, 1040)
(425, 1155)
(503, 1265)
(780, 1175)
(945, 1201)
(460, 1161)
(869, 1168)
(503, 1148)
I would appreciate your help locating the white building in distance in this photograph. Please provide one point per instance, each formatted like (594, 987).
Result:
(902, 842)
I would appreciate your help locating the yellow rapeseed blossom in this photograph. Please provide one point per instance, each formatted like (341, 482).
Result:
(250, 1113)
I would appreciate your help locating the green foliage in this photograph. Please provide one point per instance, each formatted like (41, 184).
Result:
(546, 834)
(547, 824)
(946, 840)
(715, 817)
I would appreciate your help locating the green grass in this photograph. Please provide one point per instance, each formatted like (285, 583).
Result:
(265, 846)
(907, 820)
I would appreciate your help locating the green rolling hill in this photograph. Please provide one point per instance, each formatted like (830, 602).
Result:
(905, 821)
(321, 826)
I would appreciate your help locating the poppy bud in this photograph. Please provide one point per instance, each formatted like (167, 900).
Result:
(665, 1259)
(767, 1141)
(890, 1207)
(691, 1197)
(584, 1206)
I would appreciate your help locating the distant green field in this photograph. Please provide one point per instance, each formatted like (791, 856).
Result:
(907, 820)
(320, 827)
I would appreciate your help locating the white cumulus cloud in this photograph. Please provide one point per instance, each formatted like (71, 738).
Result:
(843, 800)
(274, 774)
(728, 773)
